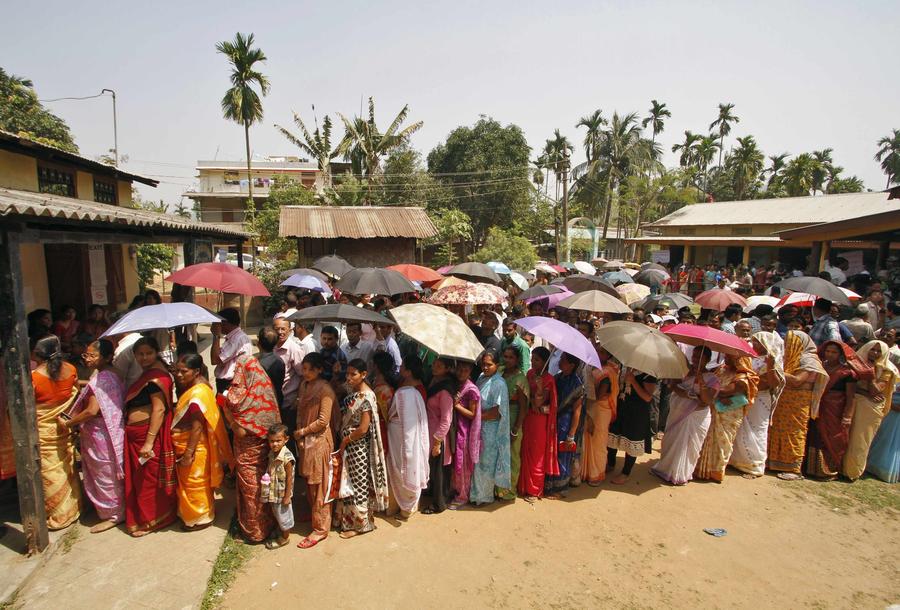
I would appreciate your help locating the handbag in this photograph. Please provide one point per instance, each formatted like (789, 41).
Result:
(346, 488)
(567, 447)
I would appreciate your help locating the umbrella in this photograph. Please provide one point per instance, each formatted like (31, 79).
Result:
(337, 312)
(850, 294)
(558, 268)
(568, 266)
(528, 275)
(443, 270)
(718, 299)
(672, 300)
(582, 282)
(760, 299)
(562, 336)
(371, 280)
(449, 281)
(309, 282)
(632, 293)
(613, 265)
(642, 348)
(499, 268)
(468, 294)
(545, 268)
(519, 280)
(631, 272)
(439, 330)
(714, 339)
(585, 267)
(595, 300)
(817, 286)
(557, 281)
(219, 276)
(541, 290)
(657, 266)
(617, 277)
(332, 265)
(164, 315)
(417, 273)
(651, 277)
(305, 271)
(551, 300)
(475, 272)
(599, 261)
(630, 265)
(502, 294)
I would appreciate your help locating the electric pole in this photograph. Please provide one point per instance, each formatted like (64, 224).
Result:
(115, 126)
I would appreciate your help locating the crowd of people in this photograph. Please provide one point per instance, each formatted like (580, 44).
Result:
(361, 420)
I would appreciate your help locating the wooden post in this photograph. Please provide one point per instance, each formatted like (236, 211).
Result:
(815, 252)
(14, 355)
(884, 251)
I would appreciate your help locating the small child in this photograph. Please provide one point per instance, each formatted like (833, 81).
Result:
(278, 484)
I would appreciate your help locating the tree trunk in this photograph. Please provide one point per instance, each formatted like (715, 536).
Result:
(251, 205)
(609, 202)
(721, 142)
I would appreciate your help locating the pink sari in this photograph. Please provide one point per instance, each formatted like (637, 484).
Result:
(468, 442)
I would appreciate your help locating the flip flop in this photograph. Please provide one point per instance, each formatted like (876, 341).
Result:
(308, 543)
(276, 543)
(789, 476)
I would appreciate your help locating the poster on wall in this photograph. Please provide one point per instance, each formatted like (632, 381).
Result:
(99, 295)
(203, 252)
(660, 256)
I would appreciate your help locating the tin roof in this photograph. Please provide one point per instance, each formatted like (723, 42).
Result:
(356, 222)
(42, 205)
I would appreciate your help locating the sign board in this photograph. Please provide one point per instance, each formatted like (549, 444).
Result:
(660, 256)
(99, 295)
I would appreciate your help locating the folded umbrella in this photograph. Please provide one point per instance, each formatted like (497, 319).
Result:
(563, 337)
(219, 276)
(642, 348)
(582, 282)
(438, 330)
(595, 300)
(541, 290)
(337, 312)
(164, 315)
(332, 265)
(417, 273)
(305, 271)
(713, 338)
(817, 286)
(371, 280)
(475, 272)
(718, 299)
(308, 282)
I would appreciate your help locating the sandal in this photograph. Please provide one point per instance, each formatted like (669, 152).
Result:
(308, 543)
(789, 476)
(275, 543)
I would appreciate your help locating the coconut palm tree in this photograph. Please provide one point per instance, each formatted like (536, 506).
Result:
(242, 104)
(705, 153)
(688, 149)
(723, 125)
(371, 143)
(594, 124)
(889, 156)
(823, 162)
(657, 113)
(798, 175)
(775, 169)
(316, 144)
(620, 150)
(746, 163)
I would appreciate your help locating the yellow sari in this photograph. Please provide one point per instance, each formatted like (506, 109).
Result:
(197, 481)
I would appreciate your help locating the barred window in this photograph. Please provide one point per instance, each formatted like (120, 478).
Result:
(105, 192)
(56, 181)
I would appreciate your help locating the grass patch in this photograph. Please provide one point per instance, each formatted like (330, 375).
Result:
(70, 538)
(232, 556)
(866, 494)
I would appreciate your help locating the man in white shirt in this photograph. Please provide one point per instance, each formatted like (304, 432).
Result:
(837, 273)
(385, 342)
(303, 334)
(291, 353)
(356, 346)
(123, 359)
(225, 353)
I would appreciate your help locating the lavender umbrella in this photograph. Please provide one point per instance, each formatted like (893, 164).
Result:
(562, 336)
(164, 315)
(309, 282)
(550, 301)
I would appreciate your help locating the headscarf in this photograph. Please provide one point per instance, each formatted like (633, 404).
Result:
(800, 356)
(882, 365)
(251, 397)
(774, 345)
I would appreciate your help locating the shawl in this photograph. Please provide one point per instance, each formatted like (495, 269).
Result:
(800, 356)
(860, 368)
(203, 396)
(152, 375)
(251, 397)
(107, 387)
(410, 445)
(882, 366)
(467, 395)
(377, 465)
(774, 345)
(742, 374)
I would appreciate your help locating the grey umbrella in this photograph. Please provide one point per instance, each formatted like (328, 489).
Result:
(332, 265)
(651, 277)
(337, 312)
(475, 272)
(541, 290)
(582, 282)
(673, 300)
(370, 280)
(305, 271)
(817, 286)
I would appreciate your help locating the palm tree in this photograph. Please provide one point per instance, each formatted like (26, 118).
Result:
(620, 149)
(723, 123)
(889, 156)
(776, 165)
(242, 104)
(316, 144)
(594, 124)
(798, 175)
(820, 172)
(371, 143)
(688, 149)
(705, 153)
(658, 112)
(747, 164)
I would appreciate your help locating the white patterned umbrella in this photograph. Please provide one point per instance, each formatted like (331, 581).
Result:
(439, 330)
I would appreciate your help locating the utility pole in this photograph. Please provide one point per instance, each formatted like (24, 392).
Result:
(565, 208)
(115, 126)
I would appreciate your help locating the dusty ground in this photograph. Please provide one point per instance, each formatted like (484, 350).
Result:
(789, 545)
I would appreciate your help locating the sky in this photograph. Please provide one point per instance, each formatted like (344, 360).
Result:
(803, 75)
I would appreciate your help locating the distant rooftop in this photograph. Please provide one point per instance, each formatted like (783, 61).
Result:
(285, 163)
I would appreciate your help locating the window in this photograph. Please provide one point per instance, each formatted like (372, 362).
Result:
(105, 192)
(56, 181)
(687, 231)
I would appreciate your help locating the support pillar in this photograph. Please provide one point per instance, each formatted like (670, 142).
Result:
(884, 251)
(687, 254)
(824, 256)
(745, 256)
(14, 355)
(815, 255)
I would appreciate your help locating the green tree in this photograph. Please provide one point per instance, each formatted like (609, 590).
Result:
(889, 156)
(316, 144)
(705, 153)
(23, 114)
(656, 118)
(264, 224)
(621, 149)
(242, 104)
(505, 246)
(688, 149)
(723, 124)
(182, 210)
(777, 163)
(746, 165)
(453, 227)
(593, 124)
(349, 190)
(798, 175)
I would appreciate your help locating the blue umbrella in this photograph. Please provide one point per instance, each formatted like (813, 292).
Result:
(618, 277)
(499, 267)
(164, 315)
(562, 336)
(309, 282)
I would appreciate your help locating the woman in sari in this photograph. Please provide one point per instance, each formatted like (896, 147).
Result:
(873, 403)
(884, 455)
(467, 407)
(688, 421)
(492, 473)
(749, 455)
(363, 455)
(201, 444)
(150, 501)
(737, 390)
(251, 408)
(570, 396)
(410, 447)
(55, 390)
(827, 439)
(99, 411)
(539, 444)
(383, 385)
(601, 395)
(519, 394)
(315, 442)
(630, 431)
(803, 386)
(439, 409)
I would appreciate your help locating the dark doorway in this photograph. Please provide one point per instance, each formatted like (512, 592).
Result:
(735, 255)
(68, 276)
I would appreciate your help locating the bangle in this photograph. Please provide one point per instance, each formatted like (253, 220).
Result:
(152, 433)
(570, 439)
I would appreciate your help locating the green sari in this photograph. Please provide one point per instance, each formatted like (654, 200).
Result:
(517, 385)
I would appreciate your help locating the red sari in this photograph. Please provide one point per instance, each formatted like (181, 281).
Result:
(539, 442)
(150, 501)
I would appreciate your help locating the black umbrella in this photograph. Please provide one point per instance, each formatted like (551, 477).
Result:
(339, 313)
(582, 282)
(332, 265)
(475, 272)
(541, 290)
(817, 286)
(651, 277)
(653, 266)
(305, 271)
(673, 300)
(369, 280)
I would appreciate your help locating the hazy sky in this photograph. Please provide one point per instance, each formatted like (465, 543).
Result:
(802, 75)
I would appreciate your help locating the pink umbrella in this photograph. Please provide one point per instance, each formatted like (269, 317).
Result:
(443, 270)
(718, 299)
(219, 276)
(468, 294)
(714, 339)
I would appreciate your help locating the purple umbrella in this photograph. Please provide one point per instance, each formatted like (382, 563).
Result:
(562, 336)
(549, 301)
(309, 282)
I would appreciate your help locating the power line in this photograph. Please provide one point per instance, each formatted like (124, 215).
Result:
(59, 99)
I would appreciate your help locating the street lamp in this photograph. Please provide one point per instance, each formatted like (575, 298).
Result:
(115, 127)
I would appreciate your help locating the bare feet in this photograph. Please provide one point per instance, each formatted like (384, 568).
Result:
(139, 533)
(619, 479)
(349, 534)
(103, 526)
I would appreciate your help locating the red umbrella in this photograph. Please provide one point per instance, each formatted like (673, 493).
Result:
(714, 339)
(417, 273)
(219, 276)
(719, 299)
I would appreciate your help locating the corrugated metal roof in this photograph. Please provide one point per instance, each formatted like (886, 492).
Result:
(783, 211)
(41, 205)
(356, 222)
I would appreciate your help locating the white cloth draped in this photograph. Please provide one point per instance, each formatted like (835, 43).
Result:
(409, 447)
